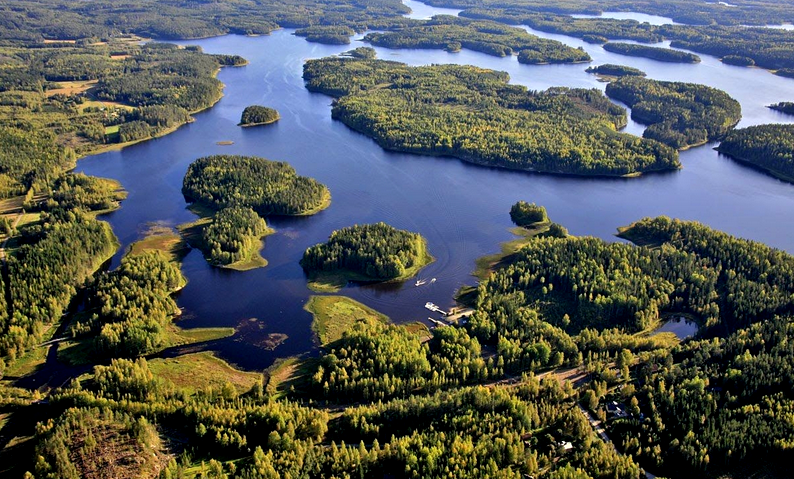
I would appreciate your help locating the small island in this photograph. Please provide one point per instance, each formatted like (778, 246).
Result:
(256, 115)
(786, 107)
(230, 239)
(738, 60)
(364, 53)
(768, 147)
(612, 70)
(528, 214)
(679, 114)
(366, 253)
(267, 187)
(327, 34)
(654, 53)
(234, 194)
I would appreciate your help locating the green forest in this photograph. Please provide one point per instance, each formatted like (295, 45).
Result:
(258, 115)
(550, 367)
(428, 110)
(130, 308)
(786, 107)
(376, 252)
(232, 236)
(453, 33)
(609, 69)
(528, 214)
(768, 147)
(739, 45)
(654, 53)
(66, 101)
(678, 114)
(419, 406)
(268, 187)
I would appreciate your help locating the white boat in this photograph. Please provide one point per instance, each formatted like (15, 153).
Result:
(420, 282)
(432, 280)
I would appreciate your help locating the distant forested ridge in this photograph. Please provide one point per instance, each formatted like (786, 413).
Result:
(770, 147)
(763, 12)
(175, 19)
(453, 33)
(765, 47)
(678, 114)
(377, 252)
(475, 115)
(654, 53)
(268, 187)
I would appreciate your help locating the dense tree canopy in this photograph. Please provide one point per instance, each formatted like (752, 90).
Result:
(377, 251)
(475, 115)
(526, 214)
(610, 69)
(654, 53)
(678, 114)
(131, 306)
(175, 19)
(770, 147)
(233, 235)
(268, 187)
(453, 33)
(786, 107)
(44, 274)
(258, 115)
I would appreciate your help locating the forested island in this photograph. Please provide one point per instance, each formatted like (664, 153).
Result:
(611, 70)
(328, 34)
(654, 53)
(562, 130)
(678, 114)
(786, 107)
(230, 238)
(376, 252)
(255, 115)
(528, 214)
(768, 147)
(765, 47)
(453, 33)
(268, 187)
(234, 194)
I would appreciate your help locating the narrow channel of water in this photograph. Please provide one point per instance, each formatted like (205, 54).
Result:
(461, 209)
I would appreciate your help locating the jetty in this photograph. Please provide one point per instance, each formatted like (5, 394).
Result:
(434, 308)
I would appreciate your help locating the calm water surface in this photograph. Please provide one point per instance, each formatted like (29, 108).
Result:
(461, 209)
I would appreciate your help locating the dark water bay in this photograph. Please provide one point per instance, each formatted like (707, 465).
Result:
(461, 209)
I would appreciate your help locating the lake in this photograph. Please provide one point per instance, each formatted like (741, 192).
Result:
(462, 210)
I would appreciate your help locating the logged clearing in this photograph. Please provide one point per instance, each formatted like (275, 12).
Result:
(72, 87)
